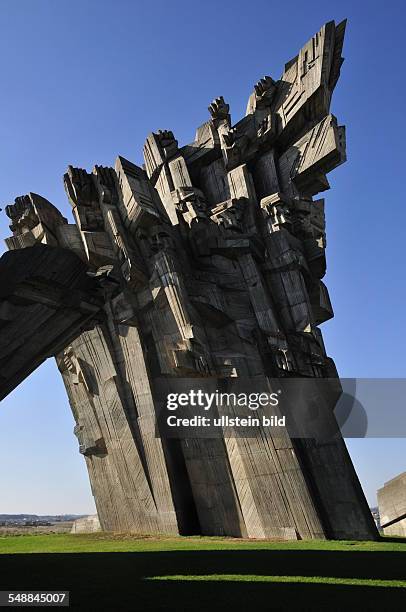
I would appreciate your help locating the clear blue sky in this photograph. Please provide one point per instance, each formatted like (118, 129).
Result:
(83, 81)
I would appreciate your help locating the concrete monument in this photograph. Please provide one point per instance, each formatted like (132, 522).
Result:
(206, 263)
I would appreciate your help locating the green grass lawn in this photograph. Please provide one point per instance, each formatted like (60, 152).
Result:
(196, 573)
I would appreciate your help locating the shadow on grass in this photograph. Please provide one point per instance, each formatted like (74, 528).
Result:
(397, 539)
(118, 581)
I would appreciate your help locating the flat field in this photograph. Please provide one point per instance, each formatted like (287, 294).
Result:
(124, 572)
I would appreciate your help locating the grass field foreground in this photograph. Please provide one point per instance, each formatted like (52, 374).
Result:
(199, 573)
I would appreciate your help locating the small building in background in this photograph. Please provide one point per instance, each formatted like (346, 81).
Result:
(392, 506)
(86, 524)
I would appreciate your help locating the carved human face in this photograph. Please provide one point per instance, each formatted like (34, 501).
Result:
(159, 239)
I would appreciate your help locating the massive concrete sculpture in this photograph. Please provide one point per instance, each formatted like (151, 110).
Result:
(392, 506)
(206, 263)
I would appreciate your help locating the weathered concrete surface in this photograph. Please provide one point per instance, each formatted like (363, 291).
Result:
(209, 261)
(46, 298)
(392, 506)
